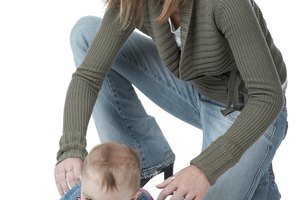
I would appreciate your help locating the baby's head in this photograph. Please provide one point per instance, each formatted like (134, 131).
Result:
(110, 171)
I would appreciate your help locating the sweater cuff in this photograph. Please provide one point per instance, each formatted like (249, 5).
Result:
(214, 161)
(72, 145)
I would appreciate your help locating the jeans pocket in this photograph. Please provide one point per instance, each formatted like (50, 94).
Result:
(278, 129)
(233, 116)
(270, 131)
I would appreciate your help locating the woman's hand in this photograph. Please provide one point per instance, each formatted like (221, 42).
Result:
(189, 184)
(67, 174)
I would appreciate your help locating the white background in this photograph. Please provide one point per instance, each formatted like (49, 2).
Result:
(35, 69)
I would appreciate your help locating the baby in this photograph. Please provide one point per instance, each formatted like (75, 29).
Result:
(111, 171)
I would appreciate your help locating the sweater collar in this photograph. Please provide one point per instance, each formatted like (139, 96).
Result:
(166, 43)
(185, 20)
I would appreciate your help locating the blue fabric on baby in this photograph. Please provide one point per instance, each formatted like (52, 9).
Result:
(75, 192)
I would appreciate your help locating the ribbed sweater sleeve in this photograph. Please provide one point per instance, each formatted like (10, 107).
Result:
(86, 83)
(238, 23)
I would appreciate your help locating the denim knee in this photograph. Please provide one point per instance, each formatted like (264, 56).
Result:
(82, 26)
(82, 35)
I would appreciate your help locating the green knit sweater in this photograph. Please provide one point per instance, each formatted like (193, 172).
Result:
(217, 36)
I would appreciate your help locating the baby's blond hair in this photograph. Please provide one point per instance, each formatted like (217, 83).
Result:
(112, 165)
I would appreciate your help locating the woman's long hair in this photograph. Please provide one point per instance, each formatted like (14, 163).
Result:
(132, 11)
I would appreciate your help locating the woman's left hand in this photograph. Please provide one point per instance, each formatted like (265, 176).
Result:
(190, 184)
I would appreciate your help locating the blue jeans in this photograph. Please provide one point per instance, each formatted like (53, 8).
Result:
(119, 116)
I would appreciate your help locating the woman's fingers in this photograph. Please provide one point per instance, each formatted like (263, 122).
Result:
(60, 180)
(67, 174)
(70, 177)
(190, 184)
(168, 187)
(166, 182)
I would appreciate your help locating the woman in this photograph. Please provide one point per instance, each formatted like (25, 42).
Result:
(211, 63)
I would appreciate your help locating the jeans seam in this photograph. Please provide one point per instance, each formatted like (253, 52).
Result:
(252, 187)
(127, 124)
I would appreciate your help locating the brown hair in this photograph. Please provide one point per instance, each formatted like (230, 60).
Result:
(133, 10)
(113, 164)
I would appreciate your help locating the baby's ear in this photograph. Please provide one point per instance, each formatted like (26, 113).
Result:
(136, 196)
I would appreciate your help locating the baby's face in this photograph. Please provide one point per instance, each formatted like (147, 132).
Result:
(90, 190)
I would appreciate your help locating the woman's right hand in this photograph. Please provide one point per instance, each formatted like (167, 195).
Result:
(67, 174)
